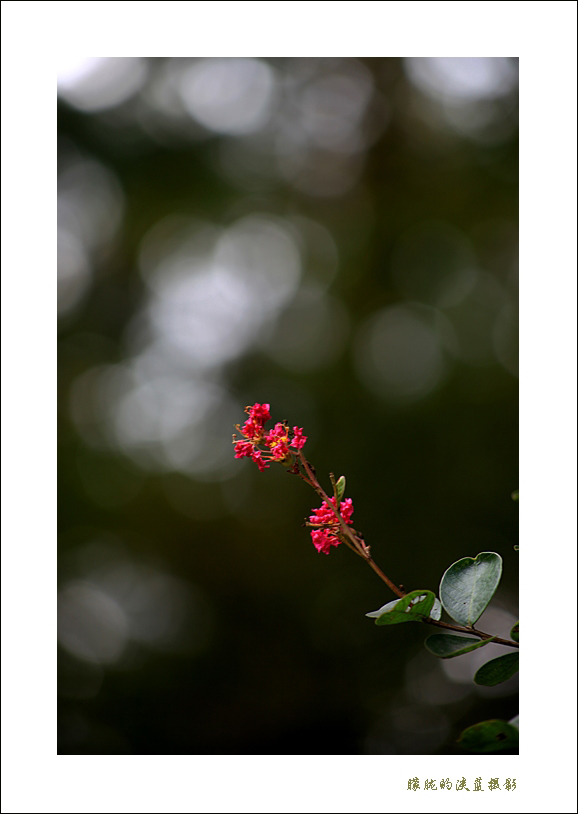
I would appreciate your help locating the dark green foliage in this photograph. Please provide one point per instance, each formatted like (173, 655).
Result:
(445, 646)
(498, 670)
(489, 736)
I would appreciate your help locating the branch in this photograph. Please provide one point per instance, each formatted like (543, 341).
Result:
(353, 541)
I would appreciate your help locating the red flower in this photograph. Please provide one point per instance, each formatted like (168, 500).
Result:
(257, 456)
(253, 426)
(277, 434)
(346, 510)
(323, 538)
(322, 516)
(259, 413)
(298, 438)
(243, 449)
(280, 452)
(252, 429)
(326, 516)
(278, 441)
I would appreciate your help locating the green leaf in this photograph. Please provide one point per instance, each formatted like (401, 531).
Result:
(468, 585)
(340, 486)
(515, 632)
(413, 607)
(498, 670)
(489, 736)
(445, 646)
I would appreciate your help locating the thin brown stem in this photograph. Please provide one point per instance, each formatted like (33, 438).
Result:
(472, 631)
(353, 548)
(356, 544)
(347, 532)
(372, 564)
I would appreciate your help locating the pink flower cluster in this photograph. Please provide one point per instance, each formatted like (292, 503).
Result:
(276, 440)
(325, 537)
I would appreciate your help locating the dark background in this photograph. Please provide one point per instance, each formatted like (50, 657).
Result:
(337, 237)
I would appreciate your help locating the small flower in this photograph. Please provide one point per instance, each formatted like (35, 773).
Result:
(243, 449)
(346, 509)
(253, 426)
(259, 413)
(321, 540)
(325, 537)
(326, 516)
(278, 434)
(278, 441)
(280, 451)
(323, 516)
(257, 456)
(252, 429)
(298, 438)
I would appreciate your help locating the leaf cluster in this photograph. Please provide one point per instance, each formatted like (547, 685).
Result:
(466, 589)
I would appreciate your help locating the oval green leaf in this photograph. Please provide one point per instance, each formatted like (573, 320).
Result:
(468, 585)
(515, 632)
(340, 486)
(489, 736)
(413, 607)
(445, 646)
(498, 670)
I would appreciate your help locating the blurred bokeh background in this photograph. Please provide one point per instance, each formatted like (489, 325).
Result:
(337, 237)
